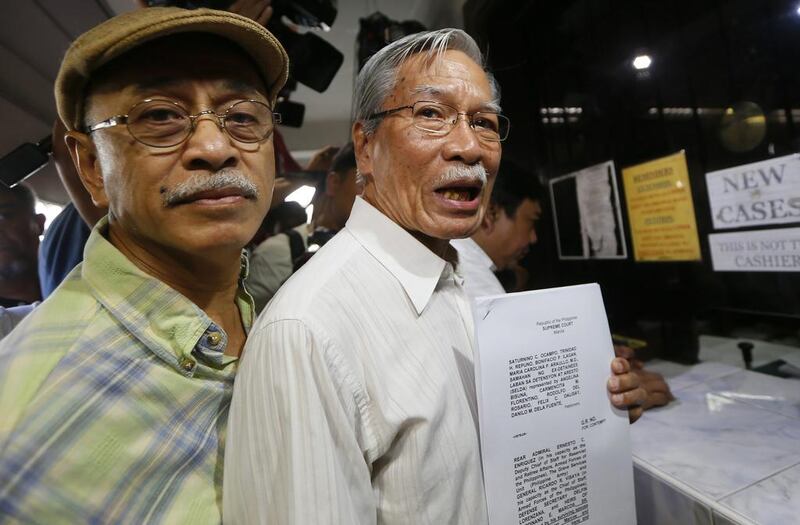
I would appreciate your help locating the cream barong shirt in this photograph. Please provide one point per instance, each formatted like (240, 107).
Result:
(355, 400)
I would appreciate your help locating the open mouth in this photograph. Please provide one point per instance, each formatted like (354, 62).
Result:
(459, 193)
(463, 190)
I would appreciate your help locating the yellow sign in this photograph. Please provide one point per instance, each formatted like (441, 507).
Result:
(661, 211)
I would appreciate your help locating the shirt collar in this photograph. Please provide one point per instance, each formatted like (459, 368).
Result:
(473, 250)
(169, 324)
(416, 267)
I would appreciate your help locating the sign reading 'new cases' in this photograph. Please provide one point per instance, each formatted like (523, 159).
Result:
(766, 192)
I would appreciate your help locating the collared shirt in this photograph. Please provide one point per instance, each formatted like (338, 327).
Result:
(355, 399)
(477, 268)
(114, 395)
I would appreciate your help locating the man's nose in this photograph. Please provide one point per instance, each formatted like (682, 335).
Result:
(210, 147)
(462, 142)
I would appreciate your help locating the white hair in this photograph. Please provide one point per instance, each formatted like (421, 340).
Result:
(378, 77)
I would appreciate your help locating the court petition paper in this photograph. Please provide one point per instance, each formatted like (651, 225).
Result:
(554, 449)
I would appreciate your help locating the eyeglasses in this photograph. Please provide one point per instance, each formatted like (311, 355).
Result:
(165, 123)
(439, 119)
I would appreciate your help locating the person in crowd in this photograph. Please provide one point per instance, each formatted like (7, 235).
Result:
(20, 228)
(116, 389)
(507, 232)
(282, 217)
(66, 236)
(275, 259)
(355, 399)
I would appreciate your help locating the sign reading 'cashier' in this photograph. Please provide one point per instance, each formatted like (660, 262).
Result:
(766, 192)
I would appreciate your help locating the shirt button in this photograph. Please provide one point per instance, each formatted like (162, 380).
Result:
(213, 339)
(187, 364)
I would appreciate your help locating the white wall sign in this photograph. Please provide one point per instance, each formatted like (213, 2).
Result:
(759, 251)
(587, 214)
(765, 192)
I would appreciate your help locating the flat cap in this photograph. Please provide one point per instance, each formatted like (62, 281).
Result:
(125, 32)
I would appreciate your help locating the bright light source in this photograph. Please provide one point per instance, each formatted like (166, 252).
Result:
(642, 62)
(798, 10)
(302, 195)
(49, 209)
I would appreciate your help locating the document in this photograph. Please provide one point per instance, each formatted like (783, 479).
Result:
(554, 449)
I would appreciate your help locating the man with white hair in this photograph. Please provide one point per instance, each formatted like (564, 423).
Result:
(355, 400)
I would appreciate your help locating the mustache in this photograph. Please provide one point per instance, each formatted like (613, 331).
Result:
(463, 173)
(224, 178)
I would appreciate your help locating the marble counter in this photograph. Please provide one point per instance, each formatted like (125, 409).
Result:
(727, 450)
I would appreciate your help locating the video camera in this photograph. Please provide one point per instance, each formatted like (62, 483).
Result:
(24, 161)
(312, 61)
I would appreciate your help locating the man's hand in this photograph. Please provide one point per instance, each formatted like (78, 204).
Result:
(258, 10)
(625, 389)
(658, 393)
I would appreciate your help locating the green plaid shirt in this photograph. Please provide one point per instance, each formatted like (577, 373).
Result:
(114, 397)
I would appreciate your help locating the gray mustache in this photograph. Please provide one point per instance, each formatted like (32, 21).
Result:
(224, 178)
(463, 173)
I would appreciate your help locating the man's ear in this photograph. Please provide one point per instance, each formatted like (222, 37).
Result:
(490, 217)
(362, 148)
(39, 220)
(84, 156)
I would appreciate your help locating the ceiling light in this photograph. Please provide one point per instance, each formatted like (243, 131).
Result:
(302, 195)
(642, 62)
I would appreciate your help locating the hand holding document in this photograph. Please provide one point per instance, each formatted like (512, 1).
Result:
(554, 449)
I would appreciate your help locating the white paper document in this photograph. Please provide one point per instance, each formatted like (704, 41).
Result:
(554, 449)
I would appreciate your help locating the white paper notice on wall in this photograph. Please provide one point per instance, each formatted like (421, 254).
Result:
(554, 449)
(766, 192)
(759, 251)
(586, 213)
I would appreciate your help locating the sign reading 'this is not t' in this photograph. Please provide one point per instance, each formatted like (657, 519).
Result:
(766, 192)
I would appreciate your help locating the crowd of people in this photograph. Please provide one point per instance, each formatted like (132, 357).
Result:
(354, 397)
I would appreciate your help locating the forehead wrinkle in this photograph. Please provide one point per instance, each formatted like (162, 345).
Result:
(434, 91)
(428, 90)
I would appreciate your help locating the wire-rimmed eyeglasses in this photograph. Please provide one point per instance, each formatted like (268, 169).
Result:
(161, 123)
(439, 119)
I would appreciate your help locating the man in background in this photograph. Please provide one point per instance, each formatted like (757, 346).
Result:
(505, 235)
(274, 260)
(20, 228)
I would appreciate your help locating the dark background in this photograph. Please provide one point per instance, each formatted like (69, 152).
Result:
(549, 55)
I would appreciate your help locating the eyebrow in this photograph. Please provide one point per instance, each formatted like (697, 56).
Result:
(434, 91)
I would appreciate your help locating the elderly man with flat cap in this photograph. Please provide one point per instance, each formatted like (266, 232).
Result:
(355, 402)
(115, 391)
